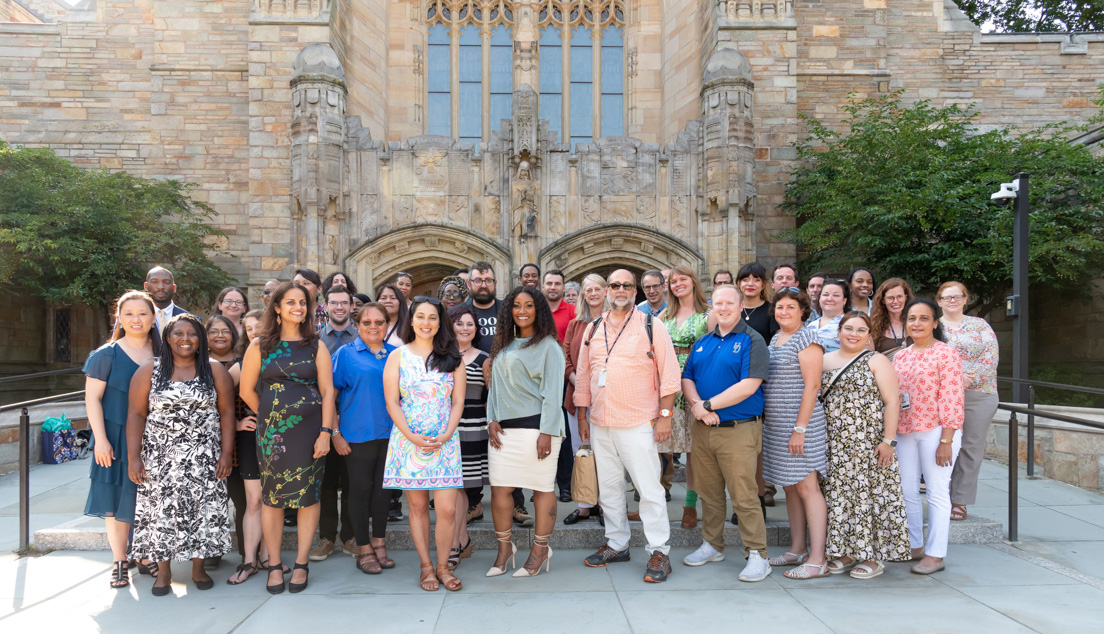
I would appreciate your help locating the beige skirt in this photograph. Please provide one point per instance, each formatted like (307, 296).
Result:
(516, 464)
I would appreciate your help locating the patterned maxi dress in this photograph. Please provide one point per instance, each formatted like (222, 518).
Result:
(182, 510)
(866, 508)
(682, 337)
(288, 424)
(426, 398)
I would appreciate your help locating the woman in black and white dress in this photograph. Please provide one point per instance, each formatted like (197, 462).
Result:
(180, 436)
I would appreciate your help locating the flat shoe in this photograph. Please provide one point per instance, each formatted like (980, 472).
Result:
(927, 570)
(784, 559)
(205, 584)
(865, 571)
(160, 591)
(837, 567)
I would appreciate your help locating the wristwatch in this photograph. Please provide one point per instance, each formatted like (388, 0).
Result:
(707, 405)
(664, 413)
(799, 429)
(336, 432)
(891, 443)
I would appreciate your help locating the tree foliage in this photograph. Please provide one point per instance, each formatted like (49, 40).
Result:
(75, 236)
(906, 191)
(1017, 16)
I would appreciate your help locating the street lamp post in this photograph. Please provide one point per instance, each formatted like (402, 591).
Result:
(1016, 303)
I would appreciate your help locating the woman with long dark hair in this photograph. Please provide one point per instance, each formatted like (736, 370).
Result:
(525, 422)
(424, 385)
(295, 419)
(111, 494)
(398, 314)
(180, 437)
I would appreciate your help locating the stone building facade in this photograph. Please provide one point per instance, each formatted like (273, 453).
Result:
(306, 122)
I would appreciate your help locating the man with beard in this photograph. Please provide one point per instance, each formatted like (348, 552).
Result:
(338, 332)
(162, 288)
(626, 382)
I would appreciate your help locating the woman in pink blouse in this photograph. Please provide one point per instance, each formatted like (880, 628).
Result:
(929, 374)
(976, 343)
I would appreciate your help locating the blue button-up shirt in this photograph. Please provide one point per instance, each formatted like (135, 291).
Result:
(646, 308)
(717, 363)
(358, 379)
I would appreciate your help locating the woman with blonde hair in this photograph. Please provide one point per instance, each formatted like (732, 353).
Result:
(887, 316)
(685, 318)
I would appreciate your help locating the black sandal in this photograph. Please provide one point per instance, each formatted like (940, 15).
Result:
(120, 575)
(276, 588)
(264, 566)
(454, 558)
(143, 569)
(299, 587)
(242, 567)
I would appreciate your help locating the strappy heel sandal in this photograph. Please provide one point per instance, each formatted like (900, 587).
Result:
(276, 588)
(503, 537)
(120, 574)
(144, 569)
(538, 540)
(296, 588)
(449, 580)
(385, 562)
(457, 553)
(466, 551)
(428, 580)
(368, 564)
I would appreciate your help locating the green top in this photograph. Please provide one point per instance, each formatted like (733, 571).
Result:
(685, 336)
(528, 381)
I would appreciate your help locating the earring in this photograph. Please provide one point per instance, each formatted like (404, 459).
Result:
(278, 321)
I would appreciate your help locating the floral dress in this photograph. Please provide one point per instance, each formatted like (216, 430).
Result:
(182, 510)
(426, 398)
(866, 507)
(288, 423)
(682, 337)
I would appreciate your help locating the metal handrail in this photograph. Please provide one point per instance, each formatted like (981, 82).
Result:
(1041, 413)
(1060, 386)
(1031, 385)
(40, 401)
(37, 375)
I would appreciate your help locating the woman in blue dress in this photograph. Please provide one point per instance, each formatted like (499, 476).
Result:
(111, 494)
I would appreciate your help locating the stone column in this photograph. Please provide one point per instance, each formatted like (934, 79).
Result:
(318, 205)
(525, 229)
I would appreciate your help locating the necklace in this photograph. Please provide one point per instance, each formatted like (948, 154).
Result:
(465, 351)
(747, 315)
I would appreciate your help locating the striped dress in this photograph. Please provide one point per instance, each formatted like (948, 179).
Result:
(783, 400)
(473, 427)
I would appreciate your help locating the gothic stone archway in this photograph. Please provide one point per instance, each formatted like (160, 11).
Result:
(617, 245)
(422, 247)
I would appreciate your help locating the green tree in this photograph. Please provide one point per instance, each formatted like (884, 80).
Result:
(905, 190)
(78, 236)
(1018, 16)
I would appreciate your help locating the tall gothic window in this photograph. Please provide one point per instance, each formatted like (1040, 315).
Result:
(470, 67)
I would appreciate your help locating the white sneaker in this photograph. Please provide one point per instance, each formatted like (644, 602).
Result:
(703, 555)
(757, 568)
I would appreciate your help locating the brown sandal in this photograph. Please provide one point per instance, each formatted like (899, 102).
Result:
(452, 583)
(385, 562)
(368, 564)
(958, 512)
(428, 581)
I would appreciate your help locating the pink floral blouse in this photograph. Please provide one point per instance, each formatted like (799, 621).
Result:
(976, 343)
(933, 379)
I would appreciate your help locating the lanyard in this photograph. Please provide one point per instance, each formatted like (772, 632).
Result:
(605, 335)
(894, 333)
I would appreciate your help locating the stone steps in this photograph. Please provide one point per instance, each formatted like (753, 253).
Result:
(83, 534)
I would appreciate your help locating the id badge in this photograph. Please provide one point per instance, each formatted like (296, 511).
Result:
(602, 378)
(905, 403)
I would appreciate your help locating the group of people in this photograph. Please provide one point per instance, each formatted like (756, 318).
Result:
(323, 407)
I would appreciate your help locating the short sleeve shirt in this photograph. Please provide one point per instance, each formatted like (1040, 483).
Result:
(718, 362)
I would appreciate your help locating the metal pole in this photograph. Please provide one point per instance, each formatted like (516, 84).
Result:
(1031, 432)
(1013, 478)
(1020, 223)
(24, 479)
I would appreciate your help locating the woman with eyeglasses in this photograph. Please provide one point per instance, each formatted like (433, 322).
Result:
(867, 523)
(571, 293)
(232, 304)
(887, 316)
(398, 315)
(525, 422)
(861, 283)
(452, 291)
(366, 427)
(835, 300)
(929, 376)
(976, 343)
(424, 384)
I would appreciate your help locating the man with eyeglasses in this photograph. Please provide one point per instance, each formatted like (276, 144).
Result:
(625, 387)
(655, 292)
(337, 333)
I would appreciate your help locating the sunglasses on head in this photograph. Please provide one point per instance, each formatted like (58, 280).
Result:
(425, 298)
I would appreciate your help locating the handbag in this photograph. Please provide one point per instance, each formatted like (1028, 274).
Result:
(584, 477)
(59, 446)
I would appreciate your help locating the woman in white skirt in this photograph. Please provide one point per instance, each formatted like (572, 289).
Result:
(525, 422)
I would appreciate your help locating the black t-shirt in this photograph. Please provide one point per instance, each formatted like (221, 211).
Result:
(487, 321)
(761, 321)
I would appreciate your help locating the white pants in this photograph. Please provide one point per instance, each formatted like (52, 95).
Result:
(632, 449)
(576, 442)
(916, 456)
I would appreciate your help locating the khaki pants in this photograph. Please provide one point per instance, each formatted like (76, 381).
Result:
(726, 456)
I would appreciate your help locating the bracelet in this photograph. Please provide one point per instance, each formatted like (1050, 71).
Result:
(327, 430)
(946, 441)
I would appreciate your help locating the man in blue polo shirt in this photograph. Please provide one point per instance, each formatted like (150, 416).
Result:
(722, 383)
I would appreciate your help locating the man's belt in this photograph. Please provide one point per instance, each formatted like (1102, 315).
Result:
(733, 423)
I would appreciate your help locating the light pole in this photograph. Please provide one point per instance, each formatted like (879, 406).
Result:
(1016, 303)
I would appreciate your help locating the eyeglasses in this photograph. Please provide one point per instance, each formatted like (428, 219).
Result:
(219, 333)
(653, 287)
(953, 298)
(451, 294)
(233, 302)
(339, 304)
(377, 323)
(618, 286)
(475, 281)
(855, 331)
(268, 291)
(426, 298)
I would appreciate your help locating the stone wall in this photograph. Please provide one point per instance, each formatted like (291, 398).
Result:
(1070, 453)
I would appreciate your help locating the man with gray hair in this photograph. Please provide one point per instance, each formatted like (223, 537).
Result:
(655, 292)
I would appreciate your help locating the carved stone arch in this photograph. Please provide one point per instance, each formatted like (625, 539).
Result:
(630, 246)
(426, 247)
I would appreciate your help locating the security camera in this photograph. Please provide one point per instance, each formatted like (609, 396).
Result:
(1007, 191)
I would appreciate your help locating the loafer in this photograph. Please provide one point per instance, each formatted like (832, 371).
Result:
(575, 517)
(917, 569)
(565, 496)
(634, 516)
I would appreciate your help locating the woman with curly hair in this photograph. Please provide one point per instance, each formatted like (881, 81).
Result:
(887, 316)
(338, 278)
(452, 291)
(525, 422)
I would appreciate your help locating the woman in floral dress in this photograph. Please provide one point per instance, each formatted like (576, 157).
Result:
(685, 318)
(867, 523)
